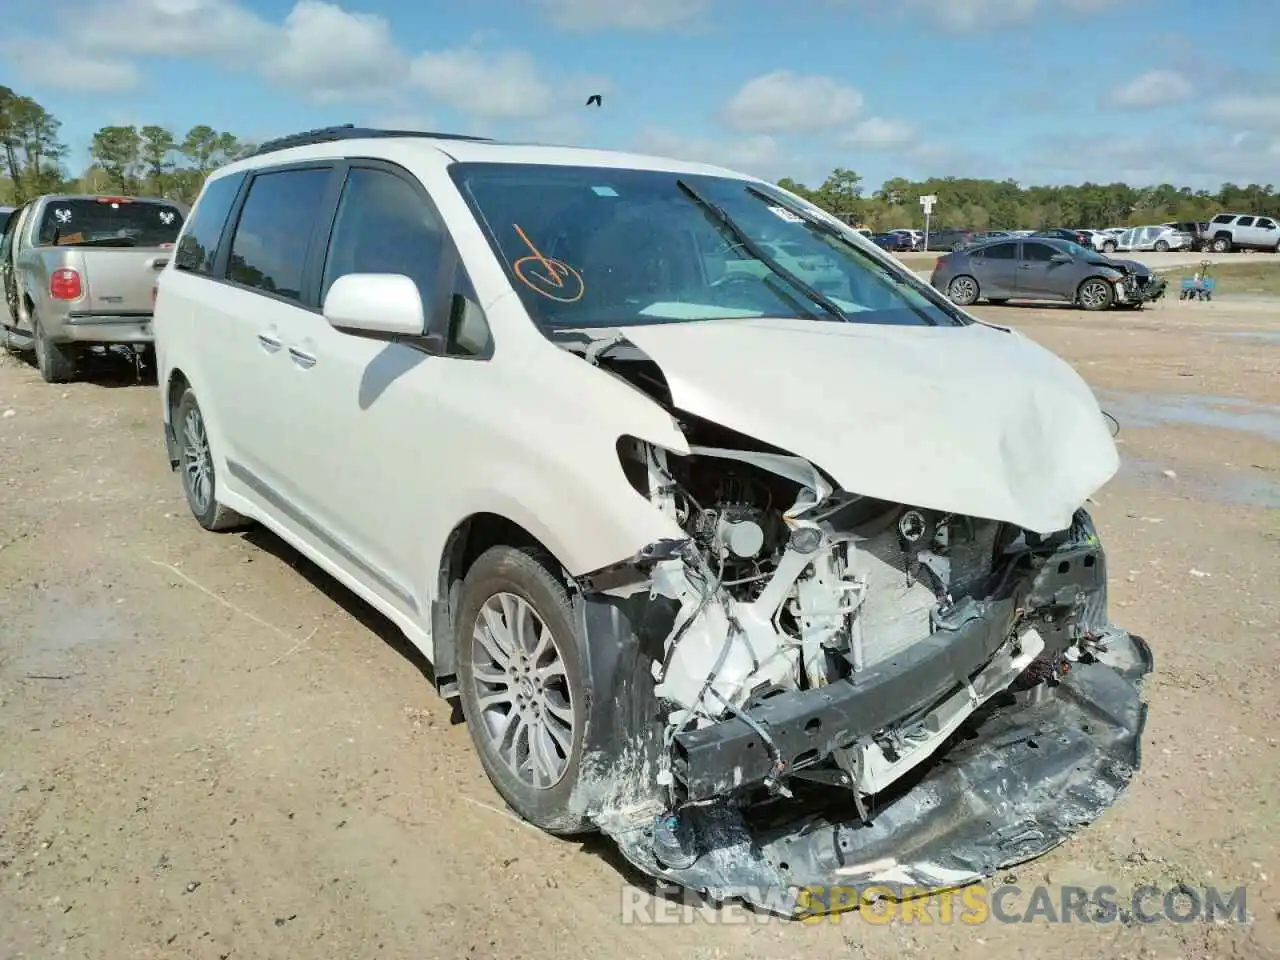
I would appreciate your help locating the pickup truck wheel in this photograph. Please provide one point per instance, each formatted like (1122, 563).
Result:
(55, 361)
(1221, 245)
(1095, 294)
(963, 290)
(195, 461)
(522, 684)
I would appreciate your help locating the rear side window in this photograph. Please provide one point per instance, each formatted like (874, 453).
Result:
(198, 246)
(1002, 251)
(1223, 218)
(269, 247)
(108, 222)
(1245, 222)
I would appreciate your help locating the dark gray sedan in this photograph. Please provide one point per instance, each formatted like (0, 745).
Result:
(1039, 268)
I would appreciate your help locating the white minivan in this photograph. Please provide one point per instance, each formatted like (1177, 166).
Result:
(696, 541)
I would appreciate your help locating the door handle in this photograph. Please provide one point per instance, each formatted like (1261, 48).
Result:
(302, 358)
(269, 342)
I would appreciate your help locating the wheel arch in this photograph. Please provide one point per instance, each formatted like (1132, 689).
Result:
(464, 544)
(175, 386)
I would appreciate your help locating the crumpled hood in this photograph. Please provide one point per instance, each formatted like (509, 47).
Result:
(970, 420)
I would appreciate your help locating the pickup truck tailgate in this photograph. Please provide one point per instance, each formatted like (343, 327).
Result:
(119, 280)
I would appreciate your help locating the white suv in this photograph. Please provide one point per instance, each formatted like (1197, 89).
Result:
(682, 532)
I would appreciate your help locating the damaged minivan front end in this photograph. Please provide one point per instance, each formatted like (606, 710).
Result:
(817, 687)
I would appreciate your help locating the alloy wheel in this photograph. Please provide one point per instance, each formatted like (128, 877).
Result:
(197, 463)
(523, 691)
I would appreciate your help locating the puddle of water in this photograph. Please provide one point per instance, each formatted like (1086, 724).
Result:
(1228, 487)
(1270, 336)
(1223, 413)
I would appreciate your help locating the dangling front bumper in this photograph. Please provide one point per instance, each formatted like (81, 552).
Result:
(1024, 773)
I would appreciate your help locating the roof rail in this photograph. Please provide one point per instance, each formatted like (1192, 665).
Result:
(348, 131)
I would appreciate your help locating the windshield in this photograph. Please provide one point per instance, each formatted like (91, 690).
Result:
(1076, 250)
(108, 222)
(595, 246)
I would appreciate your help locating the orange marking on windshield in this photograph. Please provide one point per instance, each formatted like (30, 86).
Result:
(547, 276)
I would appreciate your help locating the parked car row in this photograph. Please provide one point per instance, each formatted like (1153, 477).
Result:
(1224, 233)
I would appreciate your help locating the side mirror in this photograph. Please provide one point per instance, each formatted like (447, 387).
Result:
(1060, 258)
(384, 306)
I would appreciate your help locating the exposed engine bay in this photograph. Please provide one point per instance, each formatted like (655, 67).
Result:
(835, 683)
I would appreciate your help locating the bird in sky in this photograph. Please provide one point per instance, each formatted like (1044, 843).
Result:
(595, 100)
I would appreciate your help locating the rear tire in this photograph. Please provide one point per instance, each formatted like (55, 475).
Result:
(1221, 245)
(55, 361)
(1095, 294)
(1162, 246)
(521, 681)
(1109, 247)
(195, 463)
(963, 290)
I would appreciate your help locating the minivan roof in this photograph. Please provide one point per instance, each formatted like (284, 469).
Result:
(339, 142)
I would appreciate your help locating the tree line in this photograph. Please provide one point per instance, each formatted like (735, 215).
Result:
(152, 160)
(135, 161)
(976, 204)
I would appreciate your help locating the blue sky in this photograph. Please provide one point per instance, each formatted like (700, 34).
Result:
(1042, 91)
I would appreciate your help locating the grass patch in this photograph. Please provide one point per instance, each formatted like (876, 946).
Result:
(1258, 274)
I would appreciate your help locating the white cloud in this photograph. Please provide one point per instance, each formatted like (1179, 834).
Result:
(962, 16)
(632, 15)
(880, 133)
(1261, 111)
(334, 54)
(1205, 161)
(169, 28)
(46, 63)
(759, 155)
(321, 50)
(486, 84)
(1155, 88)
(782, 102)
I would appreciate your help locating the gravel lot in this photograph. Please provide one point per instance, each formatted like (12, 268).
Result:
(209, 749)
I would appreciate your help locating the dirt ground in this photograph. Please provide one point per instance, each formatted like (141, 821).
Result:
(208, 749)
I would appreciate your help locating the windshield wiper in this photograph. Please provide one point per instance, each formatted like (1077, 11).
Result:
(827, 229)
(756, 251)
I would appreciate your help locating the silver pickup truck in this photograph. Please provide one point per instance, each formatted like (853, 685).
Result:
(81, 271)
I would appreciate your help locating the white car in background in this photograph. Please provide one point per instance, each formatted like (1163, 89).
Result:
(1158, 237)
(917, 236)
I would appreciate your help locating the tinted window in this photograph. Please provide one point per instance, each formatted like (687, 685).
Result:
(269, 249)
(198, 246)
(384, 226)
(1039, 252)
(1002, 251)
(108, 222)
(595, 246)
(1265, 224)
(1245, 222)
(1222, 218)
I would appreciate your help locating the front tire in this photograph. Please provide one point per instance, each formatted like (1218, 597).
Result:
(522, 684)
(1221, 245)
(1162, 246)
(963, 291)
(55, 361)
(1095, 294)
(195, 463)
(1109, 247)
